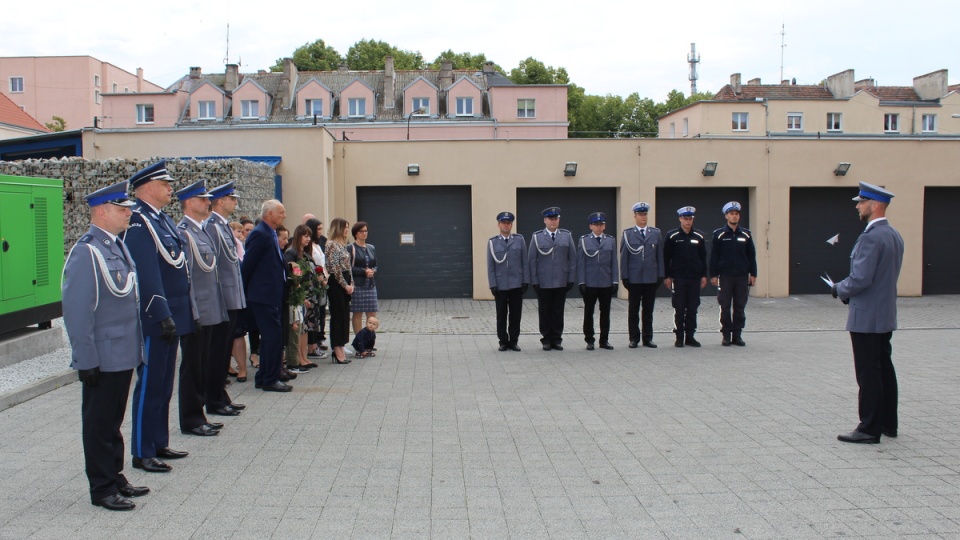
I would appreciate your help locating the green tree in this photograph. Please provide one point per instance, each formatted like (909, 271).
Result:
(533, 71)
(370, 54)
(316, 56)
(463, 60)
(58, 124)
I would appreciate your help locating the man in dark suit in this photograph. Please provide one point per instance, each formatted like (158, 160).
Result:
(641, 271)
(871, 291)
(263, 280)
(166, 313)
(102, 316)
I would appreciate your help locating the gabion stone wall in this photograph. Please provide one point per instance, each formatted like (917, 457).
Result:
(254, 183)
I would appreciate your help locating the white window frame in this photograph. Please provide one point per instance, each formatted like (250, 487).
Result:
(834, 121)
(686, 127)
(891, 123)
(418, 102)
(465, 106)
(207, 109)
(673, 130)
(142, 113)
(115, 88)
(96, 97)
(740, 121)
(356, 107)
(928, 123)
(250, 108)
(126, 90)
(526, 108)
(794, 121)
(16, 85)
(314, 107)
(96, 81)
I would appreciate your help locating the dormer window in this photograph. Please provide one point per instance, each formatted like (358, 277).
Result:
(464, 106)
(207, 110)
(249, 108)
(357, 107)
(421, 104)
(314, 107)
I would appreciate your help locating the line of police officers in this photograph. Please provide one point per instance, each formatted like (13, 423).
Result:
(554, 261)
(135, 287)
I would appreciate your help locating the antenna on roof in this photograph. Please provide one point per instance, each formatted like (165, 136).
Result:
(783, 46)
(693, 58)
(226, 59)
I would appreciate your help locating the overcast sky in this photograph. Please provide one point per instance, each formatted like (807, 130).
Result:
(607, 47)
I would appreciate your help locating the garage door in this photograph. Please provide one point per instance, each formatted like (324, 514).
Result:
(824, 226)
(423, 238)
(941, 261)
(709, 204)
(575, 205)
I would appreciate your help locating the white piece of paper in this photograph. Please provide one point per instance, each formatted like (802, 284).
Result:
(826, 279)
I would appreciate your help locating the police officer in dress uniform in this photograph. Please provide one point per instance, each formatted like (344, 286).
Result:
(166, 313)
(733, 267)
(641, 272)
(597, 274)
(195, 348)
(101, 315)
(552, 265)
(223, 200)
(506, 263)
(871, 292)
(685, 268)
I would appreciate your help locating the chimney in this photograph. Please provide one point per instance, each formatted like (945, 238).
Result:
(389, 84)
(195, 72)
(446, 73)
(139, 80)
(785, 82)
(932, 85)
(288, 83)
(754, 82)
(865, 84)
(735, 83)
(841, 84)
(488, 68)
(343, 68)
(233, 78)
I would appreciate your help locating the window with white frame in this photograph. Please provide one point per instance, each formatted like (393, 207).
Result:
(206, 110)
(929, 123)
(96, 81)
(464, 106)
(314, 107)
(357, 107)
(115, 88)
(526, 108)
(249, 108)
(126, 90)
(834, 121)
(96, 97)
(686, 127)
(891, 123)
(16, 85)
(145, 113)
(673, 130)
(421, 103)
(794, 121)
(740, 121)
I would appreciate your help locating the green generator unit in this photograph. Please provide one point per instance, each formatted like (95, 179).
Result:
(31, 251)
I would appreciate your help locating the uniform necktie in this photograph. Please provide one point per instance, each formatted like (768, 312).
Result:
(553, 236)
(642, 235)
(598, 240)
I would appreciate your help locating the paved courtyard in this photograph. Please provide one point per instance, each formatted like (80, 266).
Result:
(441, 436)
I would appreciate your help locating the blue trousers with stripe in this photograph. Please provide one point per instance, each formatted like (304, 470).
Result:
(151, 397)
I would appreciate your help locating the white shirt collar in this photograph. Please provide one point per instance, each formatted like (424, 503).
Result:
(108, 233)
(195, 222)
(873, 221)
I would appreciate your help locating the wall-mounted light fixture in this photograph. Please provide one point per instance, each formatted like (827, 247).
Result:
(570, 168)
(841, 169)
(413, 169)
(710, 168)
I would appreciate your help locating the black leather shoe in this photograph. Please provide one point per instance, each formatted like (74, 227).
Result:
(650, 344)
(634, 344)
(134, 491)
(225, 411)
(547, 347)
(738, 341)
(203, 431)
(277, 387)
(557, 347)
(215, 425)
(502, 347)
(892, 433)
(151, 465)
(589, 346)
(691, 342)
(114, 502)
(607, 346)
(513, 347)
(238, 406)
(858, 437)
(170, 453)
(725, 341)
(678, 342)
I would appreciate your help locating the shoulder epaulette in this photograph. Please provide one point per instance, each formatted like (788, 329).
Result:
(85, 238)
(563, 230)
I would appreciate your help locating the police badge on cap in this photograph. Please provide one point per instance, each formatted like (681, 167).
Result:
(641, 207)
(553, 211)
(686, 211)
(596, 217)
(506, 216)
(732, 205)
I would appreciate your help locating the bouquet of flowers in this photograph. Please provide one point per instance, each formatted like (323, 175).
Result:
(304, 282)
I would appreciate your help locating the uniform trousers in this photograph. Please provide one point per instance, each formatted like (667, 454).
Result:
(102, 409)
(267, 317)
(194, 366)
(641, 297)
(339, 303)
(732, 297)
(877, 381)
(593, 294)
(686, 300)
(550, 304)
(151, 397)
(221, 349)
(509, 308)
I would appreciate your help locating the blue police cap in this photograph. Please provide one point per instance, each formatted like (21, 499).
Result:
(196, 189)
(686, 211)
(553, 211)
(115, 194)
(157, 171)
(732, 205)
(870, 192)
(596, 217)
(506, 216)
(641, 207)
(222, 191)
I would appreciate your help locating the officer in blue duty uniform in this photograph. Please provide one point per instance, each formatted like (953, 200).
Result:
(598, 276)
(552, 265)
(685, 267)
(101, 316)
(733, 267)
(641, 271)
(507, 276)
(166, 314)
